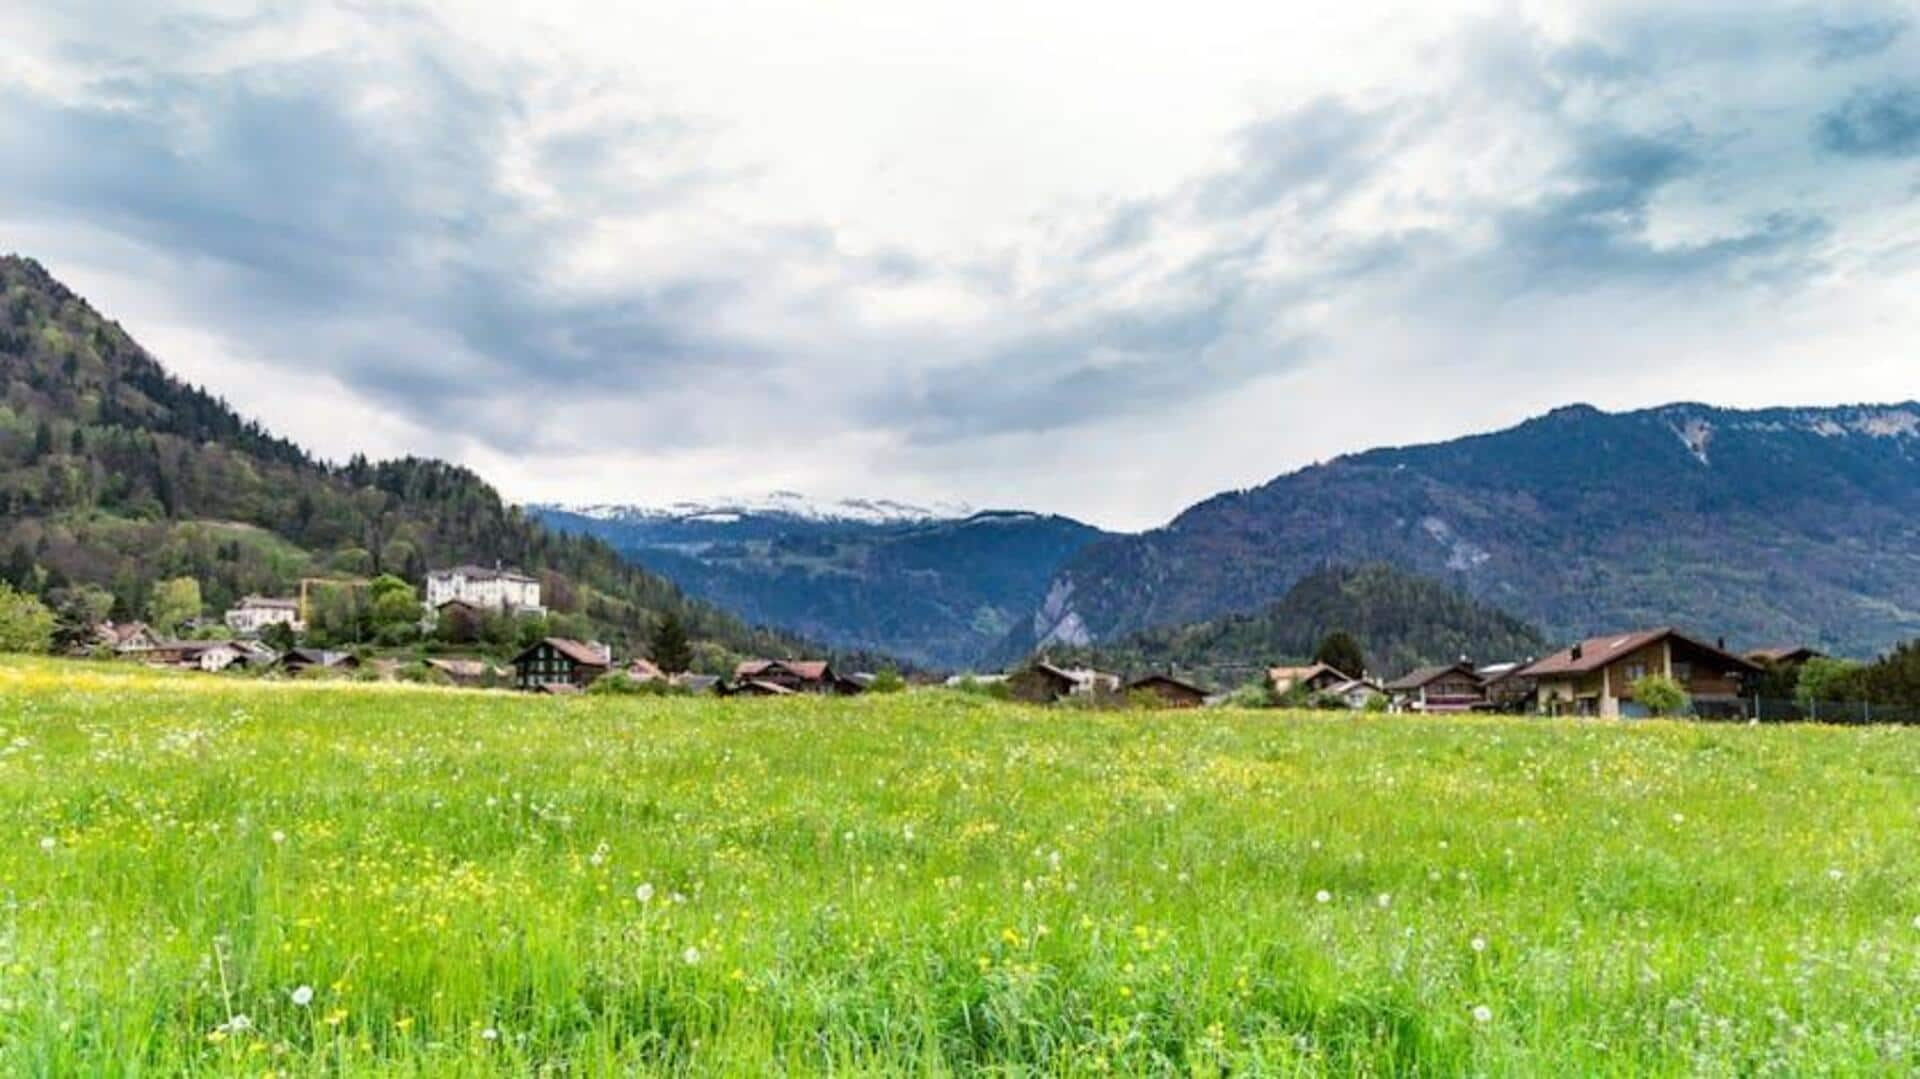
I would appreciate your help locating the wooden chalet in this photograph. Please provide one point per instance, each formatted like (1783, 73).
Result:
(1596, 676)
(1168, 691)
(559, 661)
(795, 676)
(1041, 682)
(1508, 686)
(1312, 678)
(1453, 688)
(297, 660)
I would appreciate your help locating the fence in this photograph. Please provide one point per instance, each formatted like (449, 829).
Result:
(1783, 710)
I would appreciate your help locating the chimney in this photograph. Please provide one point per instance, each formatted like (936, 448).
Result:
(1578, 650)
(1723, 644)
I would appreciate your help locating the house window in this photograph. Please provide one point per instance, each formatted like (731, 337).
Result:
(1683, 672)
(1635, 672)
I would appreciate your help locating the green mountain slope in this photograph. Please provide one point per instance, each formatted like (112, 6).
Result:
(1779, 525)
(115, 474)
(1401, 620)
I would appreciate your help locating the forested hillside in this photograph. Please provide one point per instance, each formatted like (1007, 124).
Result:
(938, 591)
(114, 475)
(1401, 621)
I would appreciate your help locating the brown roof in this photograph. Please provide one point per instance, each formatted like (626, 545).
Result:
(1169, 681)
(1421, 676)
(811, 670)
(1305, 674)
(771, 689)
(572, 649)
(1782, 653)
(1598, 652)
(644, 669)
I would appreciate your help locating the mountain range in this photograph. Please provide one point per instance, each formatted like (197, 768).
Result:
(1772, 526)
(937, 586)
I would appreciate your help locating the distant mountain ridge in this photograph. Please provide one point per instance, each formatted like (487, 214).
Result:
(938, 586)
(1768, 526)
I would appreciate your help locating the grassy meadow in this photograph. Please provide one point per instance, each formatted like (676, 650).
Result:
(213, 876)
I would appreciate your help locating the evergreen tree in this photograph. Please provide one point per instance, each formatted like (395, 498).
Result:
(1342, 652)
(668, 645)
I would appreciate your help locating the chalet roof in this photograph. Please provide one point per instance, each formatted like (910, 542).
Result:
(460, 668)
(644, 669)
(315, 657)
(1421, 676)
(1166, 680)
(1075, 675)
(771, 689)
(809, 670)
(273, 603)
(1598, 652)
(574, 650)
(1499, 672)
(1785, 653)
(1304, 674)
(482, 573)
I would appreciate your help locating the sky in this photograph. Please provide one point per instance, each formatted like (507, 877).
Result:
(1094, 258)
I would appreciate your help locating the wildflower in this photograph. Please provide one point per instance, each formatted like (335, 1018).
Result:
(1384, 900)
(279, 836)
(336, 1017)
(1479, 944)
(1679, 818)
(490, 1034)
(48, 843)
(302, 996)
(403, 1023)
(1482, 1013)
(690, 956)
(1323, 896)
(644, 893)
(1834, 874)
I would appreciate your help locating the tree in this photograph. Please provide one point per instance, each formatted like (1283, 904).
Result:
(1823, 679)
(668, 645)
(26, 625)
(174, 601)
(394, 605)
(1662, 695)
(887, 681)
(279, 637)
(1342, 652)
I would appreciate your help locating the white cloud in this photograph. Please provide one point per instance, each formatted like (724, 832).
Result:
(1094, 258)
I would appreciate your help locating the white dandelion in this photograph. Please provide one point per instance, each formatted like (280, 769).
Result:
(1323, 896)
(1482, 1013)
(1479, 944)
(690, 956)
(1384, 900)
(48, 842)
(302, 996)
(490, 1034)
(279, 836)
(644, 893)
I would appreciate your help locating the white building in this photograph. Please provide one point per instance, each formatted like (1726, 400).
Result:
(488, 589)
(255, 613)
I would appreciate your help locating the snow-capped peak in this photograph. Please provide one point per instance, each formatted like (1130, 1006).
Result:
(789, 504)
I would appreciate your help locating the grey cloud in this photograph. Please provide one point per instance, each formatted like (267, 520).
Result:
(1307, 154)
(1842, 39)
(1874, 122)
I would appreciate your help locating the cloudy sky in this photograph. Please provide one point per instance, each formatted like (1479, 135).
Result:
(1098, 258)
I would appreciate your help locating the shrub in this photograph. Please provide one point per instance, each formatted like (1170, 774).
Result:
(26, 625)
(1662, 695)
(887, 681)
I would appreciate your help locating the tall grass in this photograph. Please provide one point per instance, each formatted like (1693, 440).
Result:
(472, 883)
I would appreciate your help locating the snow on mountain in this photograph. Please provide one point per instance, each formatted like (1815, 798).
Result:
(784, 504)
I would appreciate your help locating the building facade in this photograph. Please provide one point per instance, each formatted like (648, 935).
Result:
(504, 590)
(254, 614)
(1597, 676)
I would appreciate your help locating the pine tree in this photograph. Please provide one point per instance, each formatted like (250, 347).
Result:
(668, 644)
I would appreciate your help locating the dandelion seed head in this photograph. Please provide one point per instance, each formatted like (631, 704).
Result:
(1479, 944)
(690, 956)
(1323, 896)
(1482, 1013)
(48, 842)
(302, 996)
(644, 893)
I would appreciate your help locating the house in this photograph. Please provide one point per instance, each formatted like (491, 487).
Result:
(559, 661)
(124, 636)
(465, 672)
(1508, 687)
(254, 654)
(645, 670)
(759, 688)
(1170, 692)
(1041, 682)
(1453, 688)
(255, 613)
(505, 590)
(1596, 676)
(303, 659)
(209, 656)
(796, 675)
(1355, 693)
(1784, 656)
(1313, 678)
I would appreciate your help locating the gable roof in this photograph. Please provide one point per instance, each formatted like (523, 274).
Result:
(809, 670)
(1169, 681)
(483, 573)
(1598, 652)
(568, 647)
(1785, 653)
(1305, 674)
(1421, 676)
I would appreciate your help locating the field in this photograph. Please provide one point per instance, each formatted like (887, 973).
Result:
(216, 876)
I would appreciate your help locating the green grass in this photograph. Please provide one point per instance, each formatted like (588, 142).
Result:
(933, 883)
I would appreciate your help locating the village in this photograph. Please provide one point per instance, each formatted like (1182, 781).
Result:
(1656, 671)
